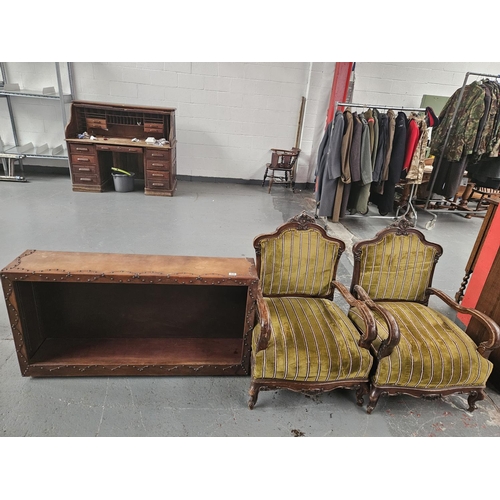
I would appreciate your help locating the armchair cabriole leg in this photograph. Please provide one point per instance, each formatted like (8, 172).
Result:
(374, 395)
(360, 392)
(473, 398)
(254, 394)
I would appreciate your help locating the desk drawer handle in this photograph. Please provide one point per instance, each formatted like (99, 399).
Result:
(84, 169)
(157, 164)
(82, 149)
(157, 155)
(158, 184)
(85, 179)
(82, 159)
(157, 175)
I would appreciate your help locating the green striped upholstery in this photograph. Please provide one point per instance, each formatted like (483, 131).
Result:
(397, 268)
(433, 353)
(311, 341)
(297, 263)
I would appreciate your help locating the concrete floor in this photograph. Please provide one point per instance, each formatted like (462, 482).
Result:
(208, 219)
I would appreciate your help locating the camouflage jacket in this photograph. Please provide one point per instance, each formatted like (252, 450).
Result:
(463, 134)
(487, 134)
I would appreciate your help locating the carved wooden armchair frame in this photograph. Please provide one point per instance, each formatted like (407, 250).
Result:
(396, 330)
(263, 332)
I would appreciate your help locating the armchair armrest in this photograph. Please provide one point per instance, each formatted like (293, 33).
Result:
(492, 328)
(370, 333)
(283, 151)
(264, 320)
(387, 345)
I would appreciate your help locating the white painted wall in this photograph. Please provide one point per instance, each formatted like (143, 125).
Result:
(404, 84)
(229, 114)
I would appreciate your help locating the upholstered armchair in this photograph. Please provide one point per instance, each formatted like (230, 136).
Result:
(303, 341)
(418, 350)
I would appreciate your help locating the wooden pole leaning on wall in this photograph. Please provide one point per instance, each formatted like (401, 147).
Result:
(298, 137)
(300, 123)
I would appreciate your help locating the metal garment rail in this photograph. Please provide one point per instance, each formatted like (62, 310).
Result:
(340, 185)
(432, 222)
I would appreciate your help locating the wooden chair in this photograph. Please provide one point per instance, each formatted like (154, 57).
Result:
(304, 342)
(284, 161)
(419, 351)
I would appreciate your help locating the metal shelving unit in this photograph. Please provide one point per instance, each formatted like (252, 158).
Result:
(12, 91)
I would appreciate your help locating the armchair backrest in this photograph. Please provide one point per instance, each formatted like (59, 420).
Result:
(398, 264)
(298, 259)
(284, 159)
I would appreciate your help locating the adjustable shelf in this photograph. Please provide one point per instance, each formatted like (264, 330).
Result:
(48, 93)
(12, 90)
(43, 151)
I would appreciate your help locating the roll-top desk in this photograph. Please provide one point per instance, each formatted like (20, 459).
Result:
(120, 132)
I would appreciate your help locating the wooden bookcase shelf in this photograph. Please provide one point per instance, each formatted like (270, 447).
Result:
(76, 314)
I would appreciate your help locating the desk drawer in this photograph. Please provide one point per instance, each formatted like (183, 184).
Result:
(97, 123)
(153, 128)
(84, 169)
(83, 149)
(120, 149)
(158, 175)
(158, 165)
(159, 183)
(83, 159)
(80, 178)
(158, 154)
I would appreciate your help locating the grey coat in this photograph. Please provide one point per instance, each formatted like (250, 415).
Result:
(330, 167)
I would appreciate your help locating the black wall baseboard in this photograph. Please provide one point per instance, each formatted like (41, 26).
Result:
(230, 180)
(45, 169)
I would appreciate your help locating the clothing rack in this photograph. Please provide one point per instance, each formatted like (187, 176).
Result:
(340, 185)
(454, 205)
(376, 106)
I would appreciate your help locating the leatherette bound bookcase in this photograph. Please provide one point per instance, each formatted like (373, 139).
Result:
(77, 314)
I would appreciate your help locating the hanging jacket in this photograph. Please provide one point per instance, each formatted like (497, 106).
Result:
(412, 137)
(398, 148)
(417, 165)
(330, 168)
(376, 116)
(365, 159)
(355, 153)
(463, 134)
(371, 123)
(346, 147)
(391, 125)
(383, 128)
(320, 163)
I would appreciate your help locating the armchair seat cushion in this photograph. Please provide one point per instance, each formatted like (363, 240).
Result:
(312, 340)
(433, 352)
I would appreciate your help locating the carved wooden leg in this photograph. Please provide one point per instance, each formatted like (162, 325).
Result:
(360, 392)
(254, 394)
(374, 395)
(271, 181)
(265, 176)
(473, 397)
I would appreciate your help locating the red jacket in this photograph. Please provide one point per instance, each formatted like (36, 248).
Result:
(412, 137)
